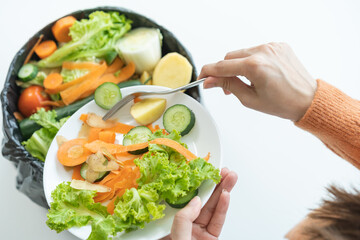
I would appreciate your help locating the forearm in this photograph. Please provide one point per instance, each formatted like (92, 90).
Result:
(334, 118)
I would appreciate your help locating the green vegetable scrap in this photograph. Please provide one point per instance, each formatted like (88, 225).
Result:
(93, 37)
(38, 144)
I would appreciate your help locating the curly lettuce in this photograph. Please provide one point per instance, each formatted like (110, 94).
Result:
(39, 143)
(93, 37)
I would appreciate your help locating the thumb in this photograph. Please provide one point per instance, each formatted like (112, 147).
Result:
(230, 84)
(182, 225)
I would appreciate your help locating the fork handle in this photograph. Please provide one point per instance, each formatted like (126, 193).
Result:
(190, 85)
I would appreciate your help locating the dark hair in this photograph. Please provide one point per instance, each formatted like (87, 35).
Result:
(340, 215)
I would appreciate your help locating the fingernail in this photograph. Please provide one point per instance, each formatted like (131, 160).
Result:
(195, 201)
(225, 191)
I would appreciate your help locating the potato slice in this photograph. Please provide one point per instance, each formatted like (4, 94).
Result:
(173, 71)
(94, 120)
(148, 110)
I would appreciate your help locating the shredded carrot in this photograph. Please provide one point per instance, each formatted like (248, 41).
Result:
(31, 52)
(124, 75)
(137, 99)
(45, 49)
(107, 136)
(207, 157)
(52, 103)
(92, 74)
(76, 173)
(117, 148)
(115, 66)
(121, 128)
(80, 65)
(76, 92)
(83, 117)
(61, 28)
(72, 152)
(94, 134)
(18, 116)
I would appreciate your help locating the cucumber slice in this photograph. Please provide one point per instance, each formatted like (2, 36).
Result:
(28, 72)
(110, 57)
(136, 135)
(107, 95)
(183, 201)
(180, 118)
(84, 169)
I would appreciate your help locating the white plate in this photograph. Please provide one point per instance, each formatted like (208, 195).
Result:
(202, 139)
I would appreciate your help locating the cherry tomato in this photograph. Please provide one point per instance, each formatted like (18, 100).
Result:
(30, 100)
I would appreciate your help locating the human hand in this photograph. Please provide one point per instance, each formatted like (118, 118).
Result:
(192, 222)
(280, 85)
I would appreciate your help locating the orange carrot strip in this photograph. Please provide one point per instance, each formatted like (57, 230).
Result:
(207, 157)
(111, 206)
(18, 116)
(150, 126)
(137, 99)
(72, 152)
(80, 65)
(115, 66)
(94, 134)
(83, 117)
(53, 80)
(75, 92)
(102, 197)
(76, 173)
(109, 177)
(97, 72)
(157, 127)
(61, 28)
(28, 57)
(121, 128)
(117, 148)
(45, 49)
(125, 74)
(52, 103)
(107, 136)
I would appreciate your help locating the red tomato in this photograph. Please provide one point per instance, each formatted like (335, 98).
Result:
(30, 100)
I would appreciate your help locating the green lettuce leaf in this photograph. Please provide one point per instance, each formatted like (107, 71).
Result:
(38, 144)
(69, 75)
(93, 37)
(72, 207)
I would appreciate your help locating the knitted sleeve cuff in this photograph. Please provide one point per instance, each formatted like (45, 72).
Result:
(332, 116)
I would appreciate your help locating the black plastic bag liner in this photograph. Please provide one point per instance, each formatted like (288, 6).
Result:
(29, 178)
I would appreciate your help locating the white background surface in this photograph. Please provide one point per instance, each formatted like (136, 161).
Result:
(282, 170)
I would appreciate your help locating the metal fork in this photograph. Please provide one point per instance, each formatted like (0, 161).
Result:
(131, 97)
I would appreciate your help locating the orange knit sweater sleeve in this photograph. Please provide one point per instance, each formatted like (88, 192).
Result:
(334, 118)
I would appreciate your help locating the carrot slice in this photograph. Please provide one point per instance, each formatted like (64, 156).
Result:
(76, 173)
(53, 80)
(76, 92)
(111, 206)
(80, 65)
(107, 136)
(61, 28)
(102, 197)
(121, 128)
(73, 152)
(83, 117)
(125, 74)
(117, 148)
(98, 71)
(45, 49)
(28, 57)
(115, 66)
(94, 134)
